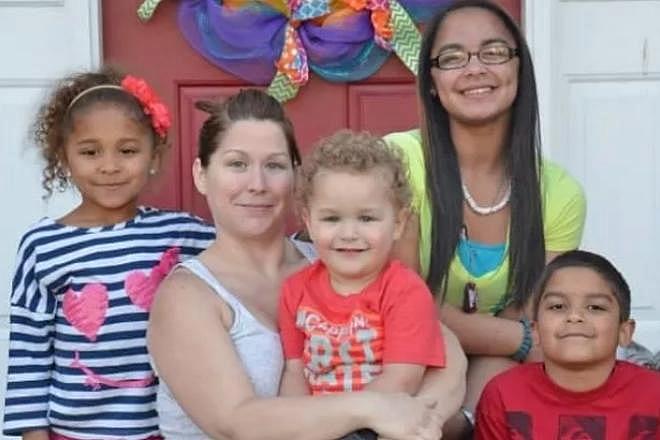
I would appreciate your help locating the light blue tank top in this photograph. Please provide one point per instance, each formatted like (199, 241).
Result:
(258, 347)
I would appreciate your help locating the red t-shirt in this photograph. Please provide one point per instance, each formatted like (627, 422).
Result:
(345, 340)
(523, 403)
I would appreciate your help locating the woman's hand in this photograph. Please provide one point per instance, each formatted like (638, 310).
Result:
(402, 417)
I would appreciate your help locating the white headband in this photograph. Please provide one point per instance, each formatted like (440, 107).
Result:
(91, 89)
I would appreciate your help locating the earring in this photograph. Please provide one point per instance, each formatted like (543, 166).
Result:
(433, 92)
(152, 171)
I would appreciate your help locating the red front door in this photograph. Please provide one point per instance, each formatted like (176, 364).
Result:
(158, 52)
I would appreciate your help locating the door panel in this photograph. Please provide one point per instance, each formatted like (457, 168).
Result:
(601, 95)
(620, 176)
(382, 108)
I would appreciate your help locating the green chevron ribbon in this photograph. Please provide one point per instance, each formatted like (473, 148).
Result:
(281, 88)
(406, 41)
(147, 9)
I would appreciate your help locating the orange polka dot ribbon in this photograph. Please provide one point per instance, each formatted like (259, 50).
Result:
(293, 60)
(292, 67)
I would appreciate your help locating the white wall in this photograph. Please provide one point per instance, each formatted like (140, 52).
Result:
(598, 72)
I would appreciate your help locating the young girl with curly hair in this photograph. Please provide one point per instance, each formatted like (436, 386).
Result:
(84, 283)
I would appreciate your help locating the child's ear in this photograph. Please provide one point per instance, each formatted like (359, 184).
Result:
(304, 215)
(536, 339)
(62, 161)
(626, 330)
(199, 176)
(156, 160)
(400, 222)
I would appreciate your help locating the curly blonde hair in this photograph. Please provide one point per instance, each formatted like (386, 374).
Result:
(355, 152)
(55, 118)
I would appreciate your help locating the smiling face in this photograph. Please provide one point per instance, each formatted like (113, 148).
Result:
(578, 322)
(477, 93)
(109, 156)
(248, 182)
(353, 221)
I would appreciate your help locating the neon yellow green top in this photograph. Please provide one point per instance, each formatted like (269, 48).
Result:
(564, 211)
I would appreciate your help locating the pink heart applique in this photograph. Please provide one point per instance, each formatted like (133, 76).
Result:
(141, 288)
(85, 310)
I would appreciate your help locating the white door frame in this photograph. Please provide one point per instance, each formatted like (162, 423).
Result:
(539, 24)
(49, 38)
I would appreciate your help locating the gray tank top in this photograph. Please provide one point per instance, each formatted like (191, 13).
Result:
(258, 347)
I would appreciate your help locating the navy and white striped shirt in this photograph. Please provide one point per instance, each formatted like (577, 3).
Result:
(78, 362)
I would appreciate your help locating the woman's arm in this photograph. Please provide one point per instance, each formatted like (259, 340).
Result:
(195, 356)
(293, 379)
(477, 333)
(406, 248)
(488, 335)
(405, 378)
(483, 334)
(474, 331)
(447, 385)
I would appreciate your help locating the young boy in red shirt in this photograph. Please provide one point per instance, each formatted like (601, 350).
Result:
(580, 391)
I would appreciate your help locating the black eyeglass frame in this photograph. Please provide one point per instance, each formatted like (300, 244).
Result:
(513, 52)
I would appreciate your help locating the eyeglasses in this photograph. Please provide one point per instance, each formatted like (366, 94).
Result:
(458, 58)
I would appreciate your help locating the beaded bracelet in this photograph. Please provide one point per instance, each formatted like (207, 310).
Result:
(526, 343)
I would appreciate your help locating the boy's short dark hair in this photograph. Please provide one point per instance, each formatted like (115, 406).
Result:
(595, 262)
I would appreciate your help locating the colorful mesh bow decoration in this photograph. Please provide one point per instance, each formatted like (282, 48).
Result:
(278, 42)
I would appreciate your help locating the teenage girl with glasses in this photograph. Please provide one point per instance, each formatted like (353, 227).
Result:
(489, 211)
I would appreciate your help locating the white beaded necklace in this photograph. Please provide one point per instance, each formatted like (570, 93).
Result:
(487, 210)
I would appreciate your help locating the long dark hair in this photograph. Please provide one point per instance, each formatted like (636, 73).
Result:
(522, 164)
